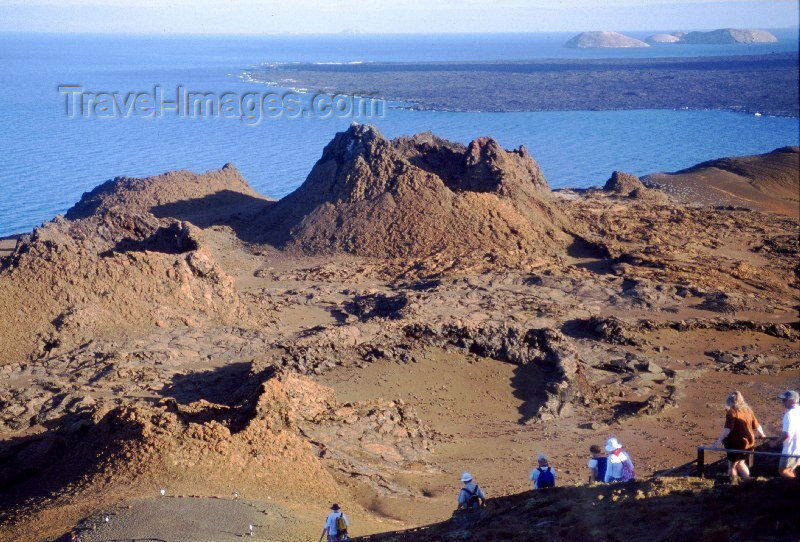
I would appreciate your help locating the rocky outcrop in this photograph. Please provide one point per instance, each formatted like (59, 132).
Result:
(622, 183)
(366, 439)
(369, 306)
(730, 35)
(615, 330)
(118, 259)
(482, 166)
(415, 197)
(603, 39)
(747, 364)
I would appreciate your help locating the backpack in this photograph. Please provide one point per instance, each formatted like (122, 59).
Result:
(627, 471)
(341, 525)
(546, 478)
(602, 463)
(473, 501)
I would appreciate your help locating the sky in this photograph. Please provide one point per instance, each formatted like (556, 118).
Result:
(388, 16)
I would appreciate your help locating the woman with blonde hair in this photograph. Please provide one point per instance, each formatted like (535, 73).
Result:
(739, 432)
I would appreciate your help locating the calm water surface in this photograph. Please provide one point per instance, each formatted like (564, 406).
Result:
(48, 160)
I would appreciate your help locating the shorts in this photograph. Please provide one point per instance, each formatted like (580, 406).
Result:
(733, 457)
(788, 463)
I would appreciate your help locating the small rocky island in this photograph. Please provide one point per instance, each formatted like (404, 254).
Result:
(730, 35)
(663, 38)
(603, 39)
(715, 37)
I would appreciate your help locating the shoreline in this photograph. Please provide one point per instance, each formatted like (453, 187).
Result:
(8, 240)
(748, 83)
(720, 109)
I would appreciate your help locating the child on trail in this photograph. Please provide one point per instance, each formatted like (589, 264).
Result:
(597, 464)
(336, 525)
(470, 496)
(619, 467)
(544, 475)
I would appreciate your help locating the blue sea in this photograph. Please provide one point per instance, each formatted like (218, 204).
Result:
(47, 159)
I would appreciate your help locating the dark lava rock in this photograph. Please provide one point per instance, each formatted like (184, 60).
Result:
(623, 183)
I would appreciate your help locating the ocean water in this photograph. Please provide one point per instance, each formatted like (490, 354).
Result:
(47, 159)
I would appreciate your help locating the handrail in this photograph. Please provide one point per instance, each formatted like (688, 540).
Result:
(701, 450)
(753, 452)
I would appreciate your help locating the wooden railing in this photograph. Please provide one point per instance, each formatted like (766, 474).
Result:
(701, 456)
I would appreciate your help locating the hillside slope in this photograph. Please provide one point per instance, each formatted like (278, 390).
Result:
(658, 510)
(767, 182)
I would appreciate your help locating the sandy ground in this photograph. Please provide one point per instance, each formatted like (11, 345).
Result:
(475, 405)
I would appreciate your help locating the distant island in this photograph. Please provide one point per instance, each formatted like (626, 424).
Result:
(614, 40)
(663, 38)
(715, 37)
(603, 39)
(730, 35)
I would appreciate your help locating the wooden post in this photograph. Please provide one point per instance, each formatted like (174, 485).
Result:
(701, 459)
(750, 459)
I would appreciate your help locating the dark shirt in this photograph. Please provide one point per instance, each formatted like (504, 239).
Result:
(743, 425)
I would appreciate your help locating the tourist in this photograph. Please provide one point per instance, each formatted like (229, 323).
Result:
(543, 475)
(597, 464)
(790, 434)
(738, 434)
(619, 467)
(470, 496)
(336, 525)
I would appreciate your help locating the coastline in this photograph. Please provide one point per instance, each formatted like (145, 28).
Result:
(748, 84)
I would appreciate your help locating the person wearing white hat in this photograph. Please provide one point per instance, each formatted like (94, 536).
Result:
(470, 496)
(790, 434)
(619, 467)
